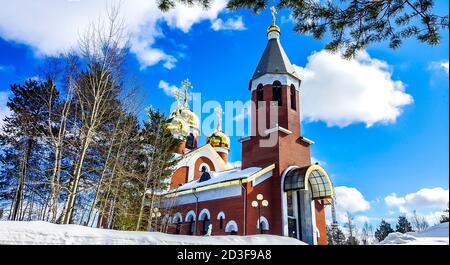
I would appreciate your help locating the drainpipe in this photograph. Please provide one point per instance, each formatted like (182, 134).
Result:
(196, 212)
(245, 207)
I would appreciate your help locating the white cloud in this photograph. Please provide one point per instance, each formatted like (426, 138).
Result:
(341, 92)
(440, 66)
(51, 27)
(349, 199)
(229, 24)
(4, 110)
(434, 198)
(168, 89)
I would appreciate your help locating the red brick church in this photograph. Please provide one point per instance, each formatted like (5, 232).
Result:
(276, 190)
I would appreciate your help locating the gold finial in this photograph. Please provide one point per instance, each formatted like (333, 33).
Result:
(185, 86)
(219, 112)
(273, 11)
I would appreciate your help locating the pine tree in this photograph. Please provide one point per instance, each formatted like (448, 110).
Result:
(383, 230)
(23, 171)
(159, 146)
(335, 235)
(403, 225)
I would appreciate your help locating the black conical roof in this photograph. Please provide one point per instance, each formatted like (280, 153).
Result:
(274, 61)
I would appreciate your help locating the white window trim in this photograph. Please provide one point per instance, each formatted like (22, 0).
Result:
(221, 214)
(189, 214)
(204, 211)
(263, 220)
(180, 217)
(230, 224)
(208, 169)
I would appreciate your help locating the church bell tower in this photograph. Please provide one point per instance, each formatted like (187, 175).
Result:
(275, 88)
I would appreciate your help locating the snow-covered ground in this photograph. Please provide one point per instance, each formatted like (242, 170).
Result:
(43, 233)
(435, 235)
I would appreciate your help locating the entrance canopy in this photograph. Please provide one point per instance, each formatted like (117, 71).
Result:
(317, 178)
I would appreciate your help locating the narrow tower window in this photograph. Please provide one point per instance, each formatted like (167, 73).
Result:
(259, 94)
(276, 92)
(293, 98)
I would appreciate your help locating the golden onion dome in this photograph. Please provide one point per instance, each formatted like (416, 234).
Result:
(273, 28)
(219, 139)
(190, 118)
(177, 125)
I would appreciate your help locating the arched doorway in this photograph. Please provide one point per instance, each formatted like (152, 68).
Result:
(301, 188)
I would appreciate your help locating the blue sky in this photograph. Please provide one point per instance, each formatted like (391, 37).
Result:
(396, 142)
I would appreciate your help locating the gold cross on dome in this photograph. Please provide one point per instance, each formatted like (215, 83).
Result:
(219, 112)
(185, 86)
(178, 96)
(273, 11)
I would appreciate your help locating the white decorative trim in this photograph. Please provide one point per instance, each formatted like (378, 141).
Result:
(262, 178)
(230, 224)
(189, 214)
(204, 151)
(207, 195)
(180, 217)
(273, 35)
(284, 217)
(268, 79)
(208, 169)
(221, 214)
(264, 221)
(243, 139)
(204, 211)
(307, 140)
(221, 149)
(277, 128)
(313, 215)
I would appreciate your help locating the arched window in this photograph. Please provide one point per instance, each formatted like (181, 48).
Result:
(276, 92)
(259, 94)
(190, 141)
(177, 220)
(293, 98)
(191, 222)
(190, 219)
(205, 217)
(205, 225)
(231, 228)
(221, 218)
(262, 225)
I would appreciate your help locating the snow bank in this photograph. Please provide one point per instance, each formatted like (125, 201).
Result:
(43, 233)
(435, 235)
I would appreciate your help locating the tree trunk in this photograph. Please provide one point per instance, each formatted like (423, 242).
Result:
(73, 190)
(18, 198)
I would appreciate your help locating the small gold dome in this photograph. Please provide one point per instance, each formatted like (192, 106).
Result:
(219, 139)
(190, 117)
(177, 125)
(273, 28)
